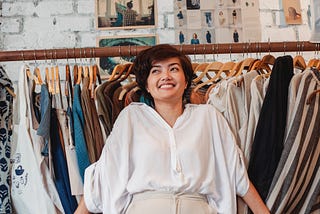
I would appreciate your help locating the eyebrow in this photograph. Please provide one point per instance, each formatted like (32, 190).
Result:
(174, 63)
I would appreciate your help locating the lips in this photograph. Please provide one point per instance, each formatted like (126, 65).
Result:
(167, 85)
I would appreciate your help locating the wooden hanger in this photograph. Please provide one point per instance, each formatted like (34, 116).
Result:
(120, 70)
(68, 85)
(236, 69)
(75, 74)
(38, 75)
(31, 76)
(57, 80)
(213, 66)
(116, 70)
(126, 71)
(227, 68)
(52, 79)
(200, 69)
(264, 64)
(312, 63)
(86, 71)
(79, 74)
(299, 62)
(194, 65)
(244, 66)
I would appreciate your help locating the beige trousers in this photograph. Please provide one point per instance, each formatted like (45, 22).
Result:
(169, 203)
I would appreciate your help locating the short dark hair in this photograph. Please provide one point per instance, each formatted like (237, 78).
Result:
(146, 58)
(129, 4)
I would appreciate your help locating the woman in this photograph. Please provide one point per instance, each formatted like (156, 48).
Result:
(169, 157)
(195, 40)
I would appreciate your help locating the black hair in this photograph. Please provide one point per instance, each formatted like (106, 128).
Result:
(146, 58)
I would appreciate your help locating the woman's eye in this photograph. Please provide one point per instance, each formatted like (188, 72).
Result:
(174, 69)
(154, 71)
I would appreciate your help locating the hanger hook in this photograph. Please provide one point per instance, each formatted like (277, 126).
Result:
(45, 55)
(194, 52)
(269, 44)
(35, 58)
(22, 56)
(284, 47)
(230, 50)
(217, 50)
(129, 50)
(74, 55)
(67, 55)
(213, 52)
(204, 53)
(94, 52)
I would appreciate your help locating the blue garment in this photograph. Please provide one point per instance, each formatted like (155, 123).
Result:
(195, 41)
(208, 37)
(79, 139)
(181, 38)
(61, 174)
(44, 126)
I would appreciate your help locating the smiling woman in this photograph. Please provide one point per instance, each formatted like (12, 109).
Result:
(145, 166)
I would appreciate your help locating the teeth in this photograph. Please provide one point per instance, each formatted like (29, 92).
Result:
(166, 86)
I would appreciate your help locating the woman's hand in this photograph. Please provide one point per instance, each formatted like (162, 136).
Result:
(82, 209)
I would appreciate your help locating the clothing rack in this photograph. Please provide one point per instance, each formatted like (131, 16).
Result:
(222, 48)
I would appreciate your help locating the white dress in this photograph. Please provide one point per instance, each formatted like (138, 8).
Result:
(197, 155)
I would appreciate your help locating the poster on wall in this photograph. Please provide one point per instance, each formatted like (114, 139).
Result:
(126, 14)
(315, 21)
(292, 11)
(216, 21)
(108, 63)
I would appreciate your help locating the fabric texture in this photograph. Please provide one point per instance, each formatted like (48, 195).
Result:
(296, 184)
(61, 174)
(27, 174)
(162, 202)
(79, 139)
(269, 135)
(133, 161)
(6, 107)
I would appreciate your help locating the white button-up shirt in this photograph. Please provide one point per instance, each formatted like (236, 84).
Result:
(197, 155)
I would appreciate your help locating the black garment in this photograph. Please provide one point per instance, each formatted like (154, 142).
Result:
(235, 36)
(269, 135)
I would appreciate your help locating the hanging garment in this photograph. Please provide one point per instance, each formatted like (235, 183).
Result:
(76, 184)
(257, 92)
(269, 135)
(92, 130)
(79, 139)
(104, 109)
(6, 106)
(61, 175)
(296, 183)
(27, 176)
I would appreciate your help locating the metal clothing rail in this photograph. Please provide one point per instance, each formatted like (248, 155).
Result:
(222, 48)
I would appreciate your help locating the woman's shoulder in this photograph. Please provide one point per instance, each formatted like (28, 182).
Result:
(205, 108)
(134, 107)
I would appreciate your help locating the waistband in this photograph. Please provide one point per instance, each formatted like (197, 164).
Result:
(167, 195)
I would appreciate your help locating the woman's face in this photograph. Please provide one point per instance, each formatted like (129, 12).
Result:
(166, 81)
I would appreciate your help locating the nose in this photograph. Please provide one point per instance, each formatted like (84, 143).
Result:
(166, 75)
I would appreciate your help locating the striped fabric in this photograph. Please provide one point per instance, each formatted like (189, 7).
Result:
(296, 184)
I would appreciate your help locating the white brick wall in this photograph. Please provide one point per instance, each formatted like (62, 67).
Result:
(47, 24)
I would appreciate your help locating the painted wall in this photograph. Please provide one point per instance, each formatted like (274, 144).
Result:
(47, 24)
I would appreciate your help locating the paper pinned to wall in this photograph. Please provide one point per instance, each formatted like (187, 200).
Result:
(315, 17)
(292, 11)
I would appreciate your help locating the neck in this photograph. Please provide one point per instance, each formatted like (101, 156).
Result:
(169, 111)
